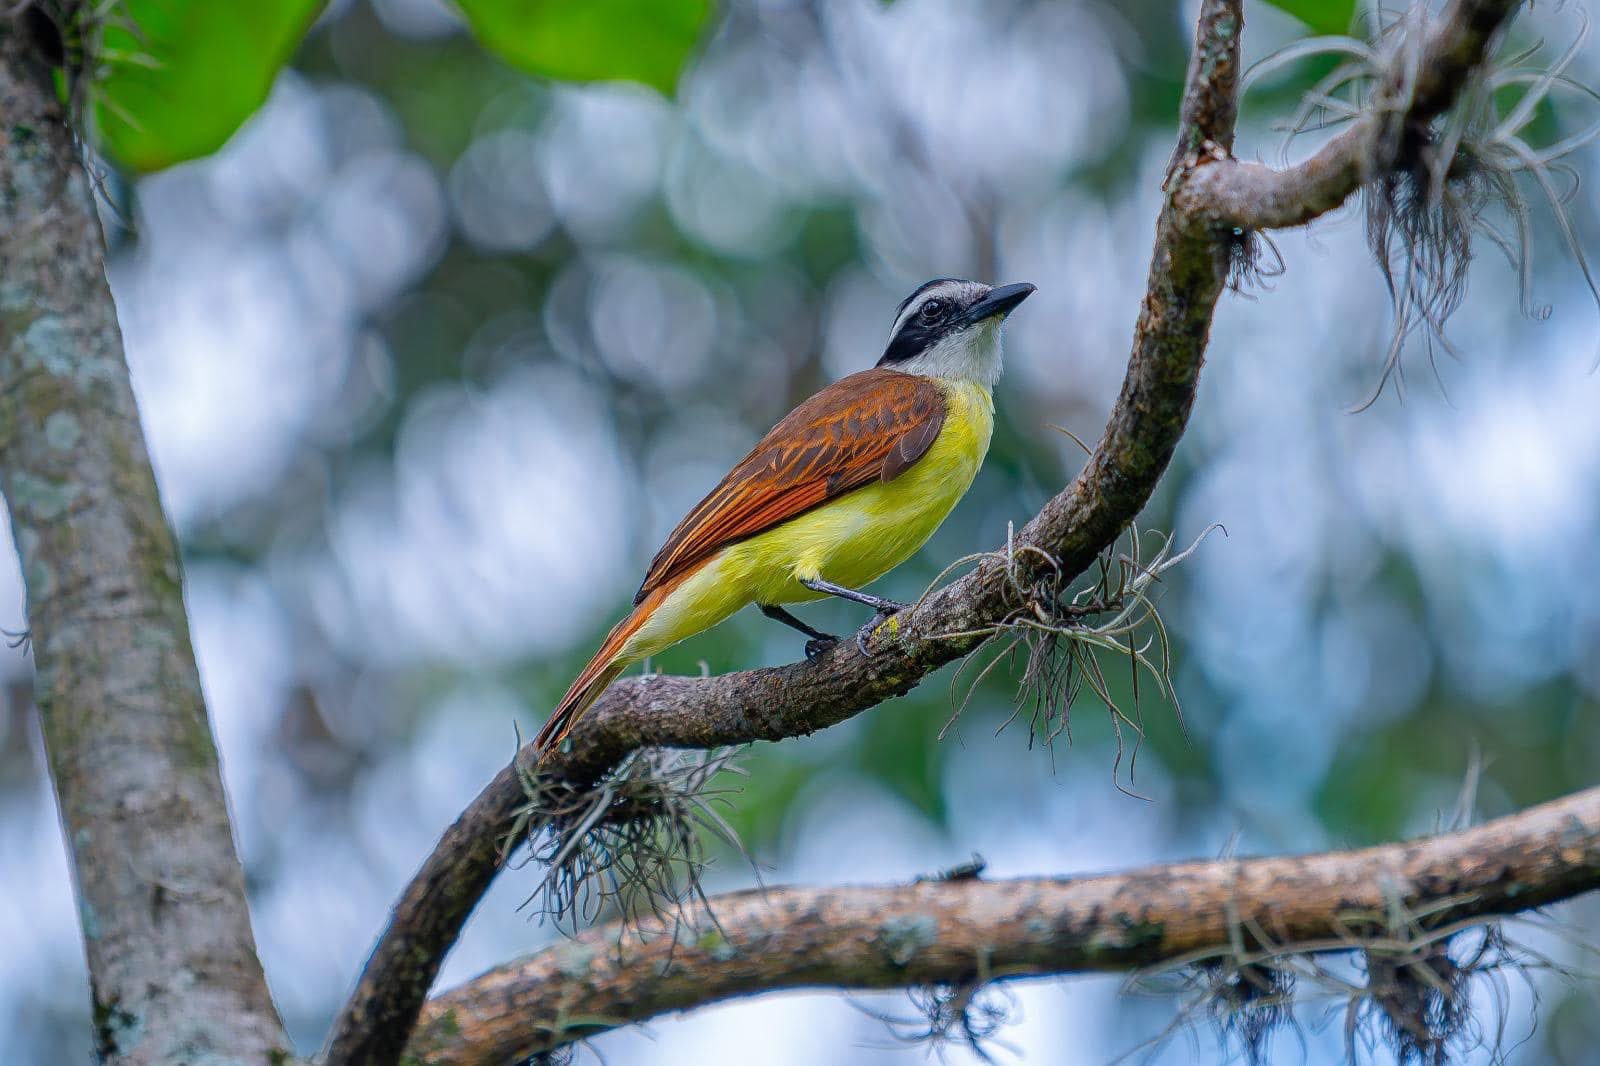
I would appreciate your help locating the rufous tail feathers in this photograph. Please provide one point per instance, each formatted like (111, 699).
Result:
(598, 675)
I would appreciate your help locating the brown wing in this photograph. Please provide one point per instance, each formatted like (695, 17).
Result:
(867, 427)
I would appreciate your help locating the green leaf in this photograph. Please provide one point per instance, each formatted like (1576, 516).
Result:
(592, 40)
(1323, 16)
(179, 76)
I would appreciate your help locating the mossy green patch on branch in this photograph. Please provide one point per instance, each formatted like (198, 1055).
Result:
(116, 1031)
(575, 960)
(43, 499)
(61, 431)
(715, 944)
(902, 936)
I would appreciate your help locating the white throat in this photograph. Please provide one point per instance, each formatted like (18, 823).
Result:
(971, 354)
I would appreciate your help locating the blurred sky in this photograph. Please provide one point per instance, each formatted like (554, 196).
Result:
(431, 356)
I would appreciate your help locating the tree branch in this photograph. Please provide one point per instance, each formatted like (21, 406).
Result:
(954, 932)
(1188, 270)
(1420, 83)
(172, 961)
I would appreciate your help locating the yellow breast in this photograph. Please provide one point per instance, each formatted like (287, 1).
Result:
(851, 541)
(861, 536)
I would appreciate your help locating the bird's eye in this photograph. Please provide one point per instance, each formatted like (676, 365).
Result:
(932, 309)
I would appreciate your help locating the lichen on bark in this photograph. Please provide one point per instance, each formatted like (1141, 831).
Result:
(171, 955)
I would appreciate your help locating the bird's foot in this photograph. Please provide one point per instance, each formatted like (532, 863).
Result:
(819, 645)
(887, 609)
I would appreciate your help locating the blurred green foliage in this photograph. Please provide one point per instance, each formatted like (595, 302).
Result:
(179, 76)
(1323, 16)
(596, 40)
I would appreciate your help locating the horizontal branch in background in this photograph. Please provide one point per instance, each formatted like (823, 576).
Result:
(1194, 245)
(955, 932)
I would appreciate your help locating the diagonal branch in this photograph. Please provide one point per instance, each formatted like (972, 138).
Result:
(172, 962)
(957, 932)
(1188, 270)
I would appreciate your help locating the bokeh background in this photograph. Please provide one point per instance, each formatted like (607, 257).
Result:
(432, 355)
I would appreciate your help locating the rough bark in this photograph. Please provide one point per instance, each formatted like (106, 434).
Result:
(171, 956)
(954, 932)
(1194, 244)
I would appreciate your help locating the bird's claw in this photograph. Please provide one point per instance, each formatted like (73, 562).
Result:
(819, 645)
(889, 609)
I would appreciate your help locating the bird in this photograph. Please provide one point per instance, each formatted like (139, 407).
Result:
(841, 491)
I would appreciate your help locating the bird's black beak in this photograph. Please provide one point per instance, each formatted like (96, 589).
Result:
(1000, 302)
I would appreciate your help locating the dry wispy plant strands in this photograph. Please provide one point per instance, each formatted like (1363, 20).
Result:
(1399, 987)
(633, 843)
(1067, 641)
(1249, 1004)
(969, 1016)
(966, 1016)
(1254, 262)
(1438, 187)
(564, 1055)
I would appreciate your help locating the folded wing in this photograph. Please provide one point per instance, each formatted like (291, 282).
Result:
(867, 427)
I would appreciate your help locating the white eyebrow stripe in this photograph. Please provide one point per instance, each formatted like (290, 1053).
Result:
(943, 290)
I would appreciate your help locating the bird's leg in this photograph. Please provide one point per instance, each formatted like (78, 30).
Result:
(884, 608)
(866, 599)
(819, 642)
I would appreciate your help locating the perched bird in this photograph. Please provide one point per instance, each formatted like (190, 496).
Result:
(847, 487)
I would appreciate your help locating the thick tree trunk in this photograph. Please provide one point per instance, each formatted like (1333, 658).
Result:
(171, 956)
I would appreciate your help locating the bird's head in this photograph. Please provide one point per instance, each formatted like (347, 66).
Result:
(950, 328)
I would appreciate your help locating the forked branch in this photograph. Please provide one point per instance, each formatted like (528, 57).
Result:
(1421, 82)
(1194, 247)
